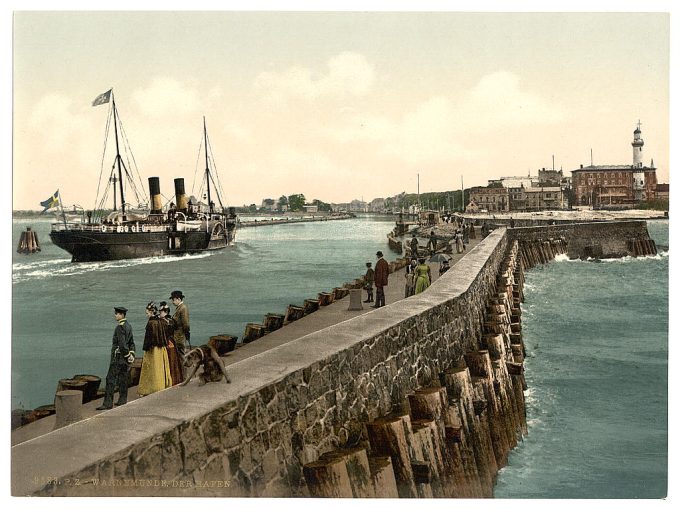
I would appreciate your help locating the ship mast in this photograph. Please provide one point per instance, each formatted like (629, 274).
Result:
(118, 158)
(207, 167)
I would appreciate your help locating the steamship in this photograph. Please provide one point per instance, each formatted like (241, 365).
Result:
(185, 226)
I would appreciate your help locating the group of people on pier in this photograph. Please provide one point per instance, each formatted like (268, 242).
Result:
(165, 339)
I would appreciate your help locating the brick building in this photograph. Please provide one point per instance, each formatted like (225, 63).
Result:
(601, 185)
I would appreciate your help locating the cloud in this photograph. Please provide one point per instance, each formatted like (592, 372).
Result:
(497, 102)
(347, 74)
(167, 97)
(443, 128)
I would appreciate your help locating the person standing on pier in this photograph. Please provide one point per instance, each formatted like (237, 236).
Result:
(176, 371)
(122, 357)
(414, 246)
(155, 373)
(382, 272)
(369, 277)
(432, 243)
(410, 287)
(423, 276)
(181, 321)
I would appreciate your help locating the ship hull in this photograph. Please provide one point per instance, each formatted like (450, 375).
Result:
(104, 246)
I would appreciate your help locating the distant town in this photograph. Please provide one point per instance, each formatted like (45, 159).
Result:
(614, 187)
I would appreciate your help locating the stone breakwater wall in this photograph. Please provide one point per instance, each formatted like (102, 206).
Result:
(421, 398)
(584, 240)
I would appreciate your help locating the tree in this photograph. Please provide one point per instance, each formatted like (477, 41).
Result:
(296, 202)
(282, 203)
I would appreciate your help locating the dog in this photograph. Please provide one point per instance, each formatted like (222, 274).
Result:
(213, 367)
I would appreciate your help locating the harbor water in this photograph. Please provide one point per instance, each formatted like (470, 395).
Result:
(596, 335)
(62, 312)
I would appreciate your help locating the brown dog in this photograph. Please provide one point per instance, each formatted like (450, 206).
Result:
(213, 367)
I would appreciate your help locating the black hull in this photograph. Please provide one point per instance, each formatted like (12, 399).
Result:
(93, 246)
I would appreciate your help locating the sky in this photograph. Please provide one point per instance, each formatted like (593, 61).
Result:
(334, 105)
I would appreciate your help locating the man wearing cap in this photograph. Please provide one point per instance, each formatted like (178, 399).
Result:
(382, 272)
(122, 357)
(181, 322)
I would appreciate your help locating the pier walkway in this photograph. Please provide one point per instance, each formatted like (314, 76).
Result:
(326, 316)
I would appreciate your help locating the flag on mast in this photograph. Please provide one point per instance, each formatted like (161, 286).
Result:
(102, 98)
(50, 202)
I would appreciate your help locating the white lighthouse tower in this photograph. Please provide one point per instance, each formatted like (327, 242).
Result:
(638, 143)
(638, 173)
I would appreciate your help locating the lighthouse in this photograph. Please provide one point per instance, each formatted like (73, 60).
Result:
(638, 143)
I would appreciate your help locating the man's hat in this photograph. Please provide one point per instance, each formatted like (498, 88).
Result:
(379, 253)
(120, 309)
(176, 294)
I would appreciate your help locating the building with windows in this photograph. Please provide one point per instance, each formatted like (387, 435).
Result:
(603, 185)
(491, 199)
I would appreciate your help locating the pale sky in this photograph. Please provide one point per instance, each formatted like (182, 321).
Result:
(334, 105)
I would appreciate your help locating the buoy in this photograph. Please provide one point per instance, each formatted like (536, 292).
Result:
(28, 242)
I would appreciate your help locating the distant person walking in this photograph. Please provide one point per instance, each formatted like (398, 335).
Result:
(155, 373)
(382, 273)
(180, 319)
(423, 276)
(432, 243)
(122, 357)
(369, 277)
(176, 370)
(460, 247)
(472, 234)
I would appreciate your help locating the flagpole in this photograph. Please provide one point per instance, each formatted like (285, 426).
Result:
(61, 205)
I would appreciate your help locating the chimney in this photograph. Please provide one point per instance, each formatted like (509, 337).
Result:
(180, 196)
(155, 193)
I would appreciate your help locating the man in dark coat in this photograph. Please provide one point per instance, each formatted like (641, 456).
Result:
(180, 319)
(414, 246)
(382, 272)
(122, 357)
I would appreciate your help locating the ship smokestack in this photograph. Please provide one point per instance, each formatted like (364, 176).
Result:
(180, 197)
(155, 193)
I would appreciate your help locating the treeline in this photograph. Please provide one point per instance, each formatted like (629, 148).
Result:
(292, 203)
(449, 200)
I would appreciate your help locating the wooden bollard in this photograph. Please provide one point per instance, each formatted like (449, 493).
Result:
(68, 405)
(358, 470)
(421, 472)
(294, 313)
(428, 446)
(328, 478)
(273, 321)
(340, 293)
(43, 411)
(223, 343)
(388, 436)
(355, 300)
(71, 384)
(311, 305)
(253, 331)
(479, 363)
(92, 383)
(517, 353)
(325, 298)
(382, 476)
(496, 346)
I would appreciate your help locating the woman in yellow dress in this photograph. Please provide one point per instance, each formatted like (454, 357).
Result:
(423, 277)
(155, 374)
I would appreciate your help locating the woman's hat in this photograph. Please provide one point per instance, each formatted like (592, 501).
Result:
(151, 306)
(379, 253)
(368, 264)
(163, 306)
(176, 294)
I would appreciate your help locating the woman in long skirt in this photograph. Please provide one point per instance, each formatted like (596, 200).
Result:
(176, 369)
(423, 278)
(155, 374)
